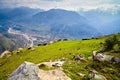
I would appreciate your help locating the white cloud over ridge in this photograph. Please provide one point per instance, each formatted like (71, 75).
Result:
(64, 4)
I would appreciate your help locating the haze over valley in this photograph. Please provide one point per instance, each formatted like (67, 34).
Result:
(37, 26)
(35, 23)
(59, 39)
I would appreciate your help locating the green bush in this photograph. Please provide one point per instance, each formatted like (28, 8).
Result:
(110, 42)
(116, 48)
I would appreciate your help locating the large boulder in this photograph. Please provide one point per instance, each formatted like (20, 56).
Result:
(30, 71)
(103, 57)
(26, 71)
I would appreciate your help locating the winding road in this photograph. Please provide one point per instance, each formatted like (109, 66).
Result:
(26, 36)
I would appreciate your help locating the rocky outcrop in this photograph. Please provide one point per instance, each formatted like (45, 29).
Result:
(30, 71)
(19, 50)
(26, 71)
(103, 57)
(94, 75)
(79, 57)
(53, 75)
(5, 54)
(52, 64)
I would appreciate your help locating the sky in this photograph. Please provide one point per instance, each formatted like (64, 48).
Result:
(64, 4)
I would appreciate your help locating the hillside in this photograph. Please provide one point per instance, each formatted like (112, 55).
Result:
(67, 50)
(8, 42)
(43, 26)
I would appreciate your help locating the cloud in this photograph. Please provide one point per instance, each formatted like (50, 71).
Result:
(64, 4)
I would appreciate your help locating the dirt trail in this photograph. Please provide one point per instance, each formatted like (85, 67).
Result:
(26, 36)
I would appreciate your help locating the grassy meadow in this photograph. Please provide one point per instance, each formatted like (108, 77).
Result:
(59, 50)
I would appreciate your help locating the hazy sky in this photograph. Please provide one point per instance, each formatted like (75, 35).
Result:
(64, 4)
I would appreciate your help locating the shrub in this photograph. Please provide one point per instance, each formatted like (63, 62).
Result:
(110, 42)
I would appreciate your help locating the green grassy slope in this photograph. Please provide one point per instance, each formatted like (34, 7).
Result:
(58, 50)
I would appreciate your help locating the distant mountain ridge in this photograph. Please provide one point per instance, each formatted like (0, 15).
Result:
(13, 13)
(65, 22)
(46, 26)
(106, 21)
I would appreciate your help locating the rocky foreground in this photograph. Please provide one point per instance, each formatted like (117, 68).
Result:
(30, 71)
(64, 60)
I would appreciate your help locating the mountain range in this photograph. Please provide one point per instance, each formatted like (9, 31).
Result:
(106, 21)
(28, 27)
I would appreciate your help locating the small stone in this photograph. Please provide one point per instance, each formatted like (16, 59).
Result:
(116, 60)
(90, 58)
(79, 57)
(96, 76)
(93, 71)
(80, 74)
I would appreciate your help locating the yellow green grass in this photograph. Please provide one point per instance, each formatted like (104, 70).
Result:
(58, 50)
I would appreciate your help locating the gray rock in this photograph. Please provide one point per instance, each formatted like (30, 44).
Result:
(26, 71)
(116, 60)
(94, 75)
(107, 57)
(19, 50)
(81, 74)
(5, 54)
(99, 77)
(103, 57)
(51, 64)
(30, 71)
(79, 57)
(93, 71)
